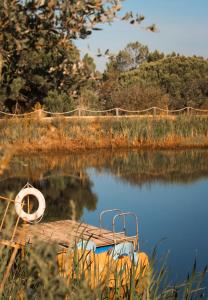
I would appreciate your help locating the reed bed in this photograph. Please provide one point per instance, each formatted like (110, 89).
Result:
(72, 134)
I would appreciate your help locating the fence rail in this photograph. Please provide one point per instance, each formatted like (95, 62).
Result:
(117, 111)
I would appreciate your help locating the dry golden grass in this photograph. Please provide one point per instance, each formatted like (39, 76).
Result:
(5, 159)
(73, 134)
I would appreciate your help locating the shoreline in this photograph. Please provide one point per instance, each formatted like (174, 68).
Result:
(81, 146)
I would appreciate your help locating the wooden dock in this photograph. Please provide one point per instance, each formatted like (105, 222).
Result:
(66, 232)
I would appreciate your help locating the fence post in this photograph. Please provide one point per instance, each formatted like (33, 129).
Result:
(154, 111)
(79, 112)
(117, 111)
(188, 110)
(39, 113)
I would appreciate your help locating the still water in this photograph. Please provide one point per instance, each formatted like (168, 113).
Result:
(168, 190)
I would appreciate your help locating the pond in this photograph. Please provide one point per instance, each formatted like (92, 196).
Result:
(166, 189)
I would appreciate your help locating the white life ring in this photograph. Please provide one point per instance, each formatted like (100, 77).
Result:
(18, 204)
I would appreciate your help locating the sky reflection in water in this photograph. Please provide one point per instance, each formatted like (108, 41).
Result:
(174, 216)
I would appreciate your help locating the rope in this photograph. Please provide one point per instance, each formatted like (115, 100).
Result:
(177, 110)
(59, 113)
(17, 115)
(117, 109)
(197, 109)
(27, 185)
(174, 110)
(135, 111)
(97, 111)
(161, 109)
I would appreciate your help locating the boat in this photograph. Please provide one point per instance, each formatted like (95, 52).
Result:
(112, 264)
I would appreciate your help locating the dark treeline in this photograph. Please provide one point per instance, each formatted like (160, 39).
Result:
(40, 66)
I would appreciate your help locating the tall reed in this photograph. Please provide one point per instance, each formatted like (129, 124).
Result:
(94, 133)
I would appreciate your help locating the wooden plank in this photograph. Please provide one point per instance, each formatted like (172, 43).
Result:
(66, 232)
(100, 232)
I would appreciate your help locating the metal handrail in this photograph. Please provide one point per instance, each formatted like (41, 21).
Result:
(108, 211)
(124, 214)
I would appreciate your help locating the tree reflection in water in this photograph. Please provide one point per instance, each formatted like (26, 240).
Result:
(59, 188)
(62, 178)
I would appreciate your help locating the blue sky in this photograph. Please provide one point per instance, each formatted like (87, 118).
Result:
(182, 24)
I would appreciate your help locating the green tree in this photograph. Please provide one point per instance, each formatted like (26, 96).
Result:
(136, 96)
(89, 64)
(184, 79)
(88, 96)
(155, 55)
(37, 51)
(133, 55)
